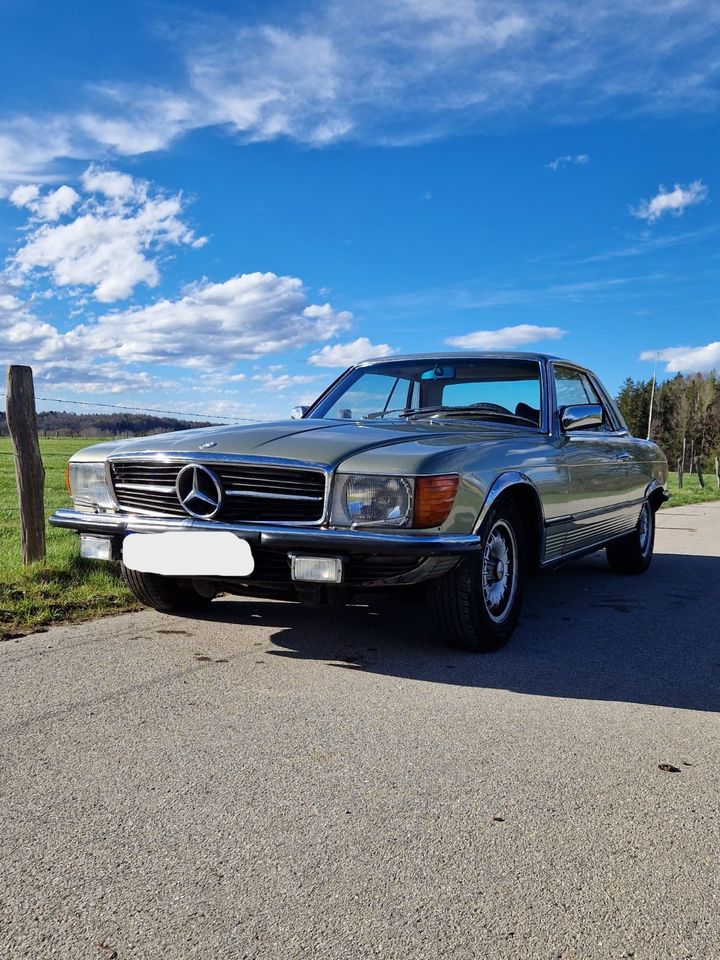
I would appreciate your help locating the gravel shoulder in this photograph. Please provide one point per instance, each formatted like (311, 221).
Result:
(282, 782)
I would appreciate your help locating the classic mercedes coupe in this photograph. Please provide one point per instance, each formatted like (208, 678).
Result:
(462, 473)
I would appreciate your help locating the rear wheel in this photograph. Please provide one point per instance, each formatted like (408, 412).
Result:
(633, 554)
(477, 604)
(166, 594)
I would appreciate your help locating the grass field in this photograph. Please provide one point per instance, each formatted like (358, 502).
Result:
(691, 491)
(65, 587)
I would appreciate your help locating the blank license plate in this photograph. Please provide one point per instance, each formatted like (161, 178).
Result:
(186, 553)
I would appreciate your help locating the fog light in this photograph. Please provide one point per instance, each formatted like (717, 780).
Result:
(317, 569)
(95, 548)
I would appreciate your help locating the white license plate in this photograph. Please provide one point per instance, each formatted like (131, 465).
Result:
(188, 553)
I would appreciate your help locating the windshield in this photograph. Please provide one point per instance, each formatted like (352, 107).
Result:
(506, 390)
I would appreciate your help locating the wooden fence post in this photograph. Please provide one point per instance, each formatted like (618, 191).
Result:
(717, 471)
(698, 471)
(680, 471)
(29, 470)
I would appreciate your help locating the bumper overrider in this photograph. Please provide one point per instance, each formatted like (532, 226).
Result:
(281, 537)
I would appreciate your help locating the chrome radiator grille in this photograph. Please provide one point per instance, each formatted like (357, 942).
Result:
(251, 492)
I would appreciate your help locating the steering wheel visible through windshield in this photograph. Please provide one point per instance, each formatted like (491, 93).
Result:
(489, 388)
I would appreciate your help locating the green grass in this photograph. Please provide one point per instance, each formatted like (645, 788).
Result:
(64, 587)
(691, 492)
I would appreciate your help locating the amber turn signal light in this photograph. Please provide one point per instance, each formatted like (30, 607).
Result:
(67, 477)
(434, 497)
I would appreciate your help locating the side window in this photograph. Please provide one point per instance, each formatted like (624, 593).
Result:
(573, 386)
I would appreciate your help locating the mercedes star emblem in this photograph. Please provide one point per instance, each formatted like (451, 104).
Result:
(199, 491)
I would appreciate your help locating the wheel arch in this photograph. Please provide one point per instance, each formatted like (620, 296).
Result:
(519, 488)
(656, 494)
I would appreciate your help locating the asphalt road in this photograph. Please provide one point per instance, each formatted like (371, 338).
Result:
(279, 782)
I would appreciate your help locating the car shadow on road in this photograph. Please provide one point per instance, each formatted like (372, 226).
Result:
(585, 633)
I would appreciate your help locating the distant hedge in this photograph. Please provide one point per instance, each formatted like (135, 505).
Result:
(58, 423)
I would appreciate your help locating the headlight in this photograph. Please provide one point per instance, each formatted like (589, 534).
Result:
(419, 502)
(88, 485)
(368, 500)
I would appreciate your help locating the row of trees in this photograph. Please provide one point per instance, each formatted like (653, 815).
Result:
(686, 409)
(57, 423)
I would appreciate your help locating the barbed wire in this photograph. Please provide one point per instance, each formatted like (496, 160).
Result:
(126, 406)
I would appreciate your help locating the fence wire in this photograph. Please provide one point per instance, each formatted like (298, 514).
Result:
(126, 406)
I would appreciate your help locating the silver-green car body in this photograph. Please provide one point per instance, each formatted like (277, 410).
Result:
(578, 485)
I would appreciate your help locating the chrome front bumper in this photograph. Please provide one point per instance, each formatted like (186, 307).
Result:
(277, 537)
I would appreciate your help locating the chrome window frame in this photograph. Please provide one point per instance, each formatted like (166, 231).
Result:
(545, 426)
(610, 411)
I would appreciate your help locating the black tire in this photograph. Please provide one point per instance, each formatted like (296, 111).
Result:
(633, 554)
(166, 594)
(470, 615)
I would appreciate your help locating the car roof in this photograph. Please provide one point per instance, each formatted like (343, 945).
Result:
(467, 355)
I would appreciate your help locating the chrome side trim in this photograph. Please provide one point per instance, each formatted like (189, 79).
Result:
(276, 536)
(599, 511)
(585, 551)
(556, 520)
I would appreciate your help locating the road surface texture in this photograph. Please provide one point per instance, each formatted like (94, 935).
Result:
(283, 782)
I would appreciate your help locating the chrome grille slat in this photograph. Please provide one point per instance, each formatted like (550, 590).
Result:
(252, 493)
(268, 496)
(150, 487)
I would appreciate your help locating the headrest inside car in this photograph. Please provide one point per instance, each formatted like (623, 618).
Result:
(528, 412)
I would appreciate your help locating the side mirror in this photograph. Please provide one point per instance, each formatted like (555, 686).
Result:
(297, 413)
(581, 416)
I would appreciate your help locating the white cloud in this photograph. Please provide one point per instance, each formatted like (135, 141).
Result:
(687, 359)
(648, 243)
(673, 201)
(506, 338)
(25, 195)
(113, 184)
(50, 206)
(31, 146)
(391, 71)
(346, 354)
(477, 295)
(246, 317)
(23, 337)
(112, 243)
(211, 328)
(578, 160)
(83, 378)
(282, 381)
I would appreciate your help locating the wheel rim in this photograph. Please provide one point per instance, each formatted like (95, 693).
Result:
(645, 529)
(499, 571)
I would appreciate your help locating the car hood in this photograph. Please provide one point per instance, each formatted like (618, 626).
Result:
(326, 442)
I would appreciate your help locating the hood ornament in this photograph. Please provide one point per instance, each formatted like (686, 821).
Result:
(206, 446)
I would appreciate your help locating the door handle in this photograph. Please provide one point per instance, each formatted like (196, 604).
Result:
(623, 456)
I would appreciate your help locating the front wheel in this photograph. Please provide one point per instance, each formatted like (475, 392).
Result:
(166, 594)
(477, 604)
(633, 553)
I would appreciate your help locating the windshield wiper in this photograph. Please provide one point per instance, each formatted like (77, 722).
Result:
(476, 411)
(377, 414)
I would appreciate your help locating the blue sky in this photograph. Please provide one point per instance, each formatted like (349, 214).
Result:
(215, 209)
